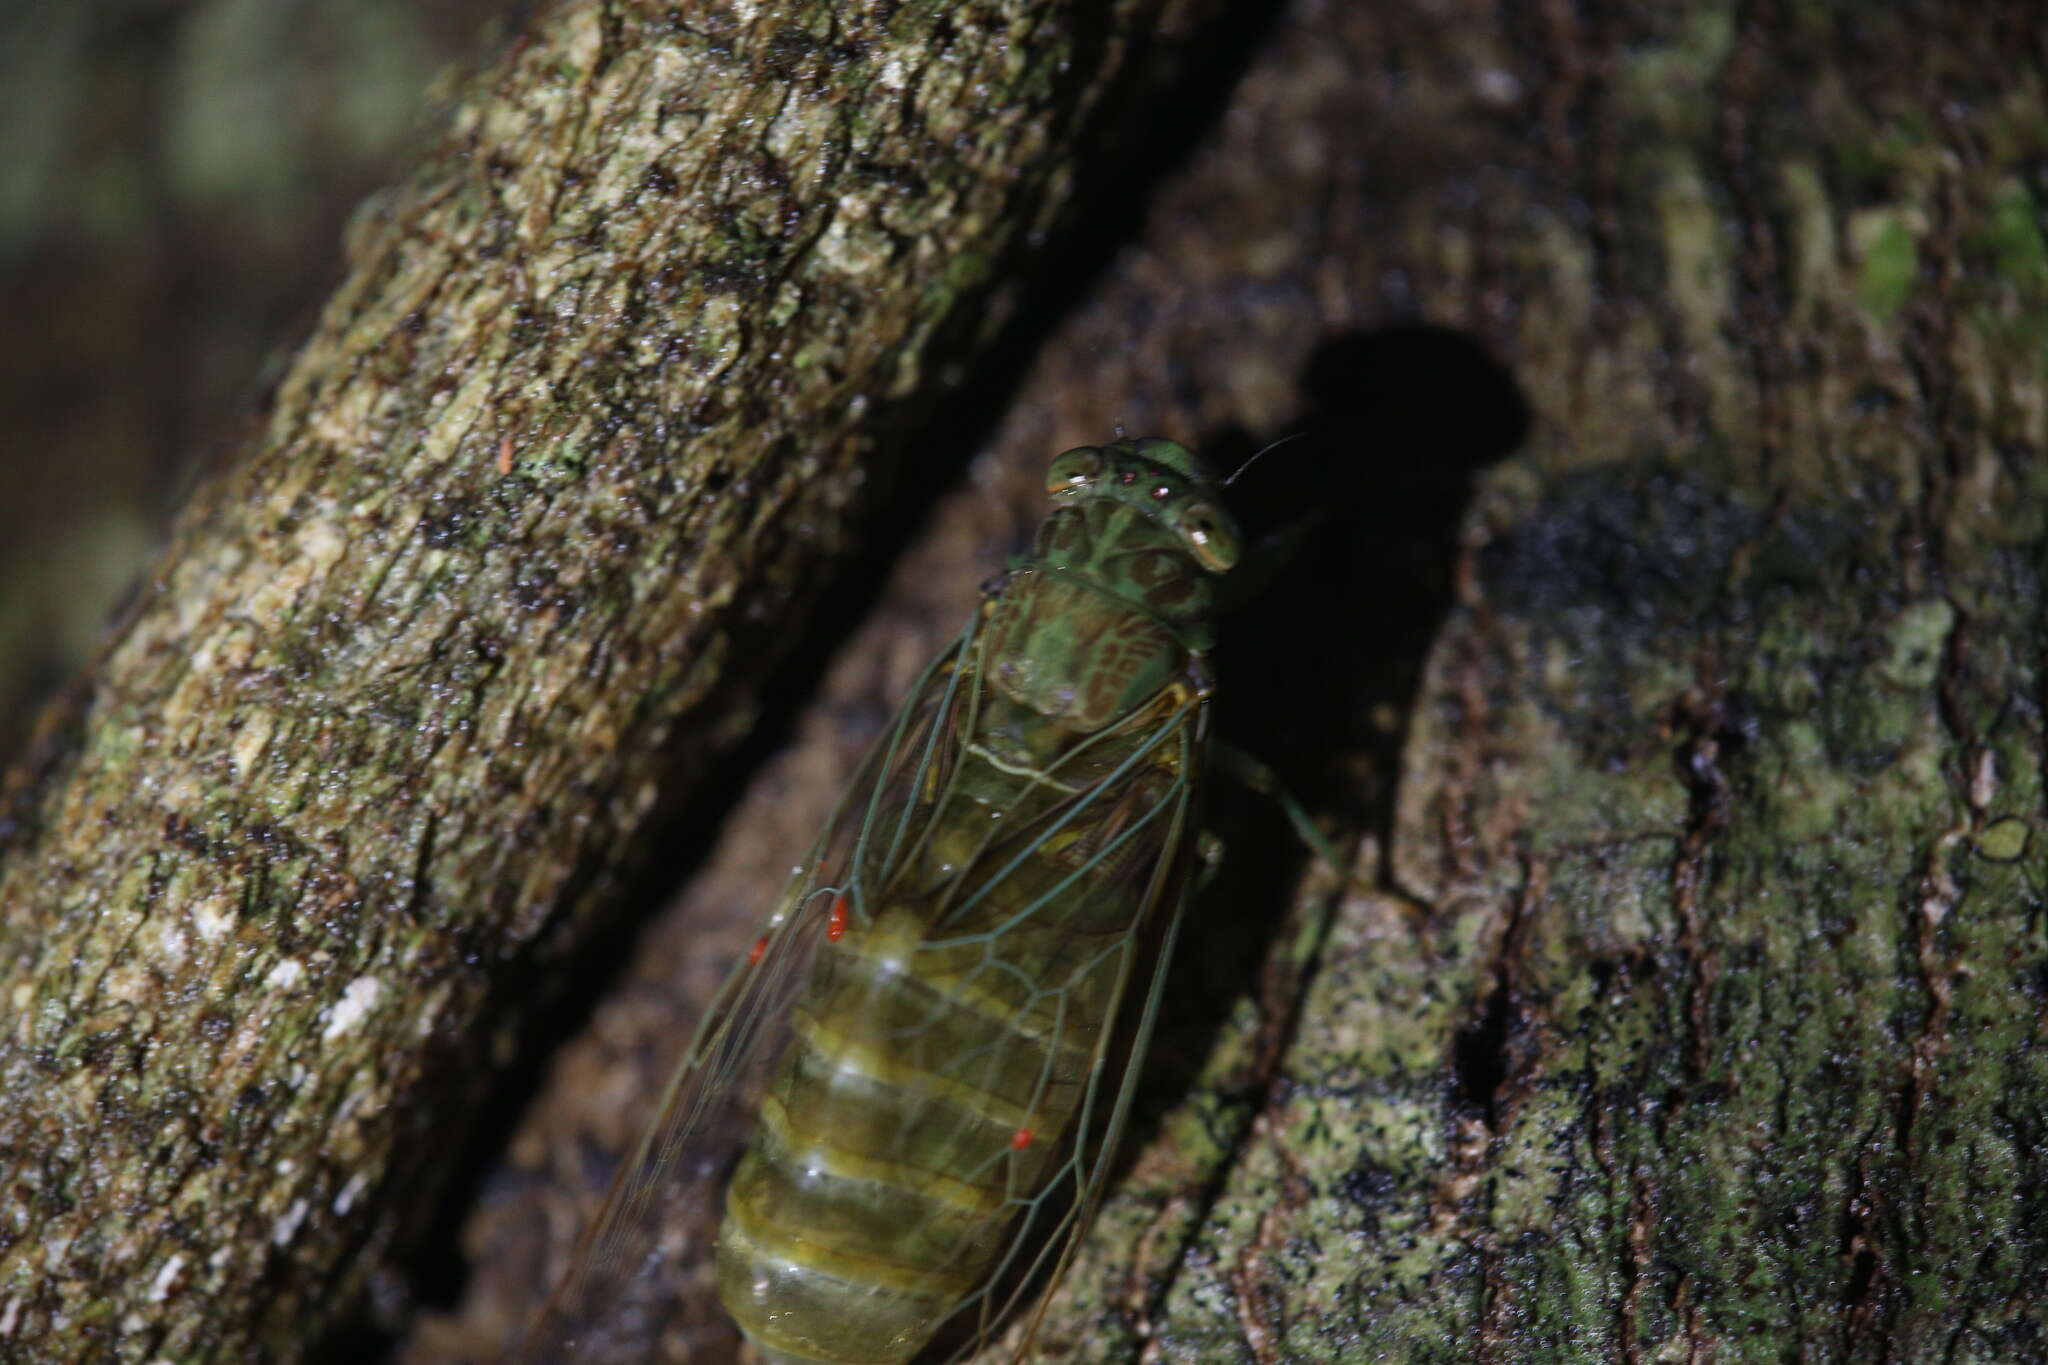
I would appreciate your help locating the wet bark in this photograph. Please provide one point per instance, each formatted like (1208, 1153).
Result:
(608, 385)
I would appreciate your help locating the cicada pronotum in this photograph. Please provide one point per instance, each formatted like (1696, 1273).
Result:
(930, 1052)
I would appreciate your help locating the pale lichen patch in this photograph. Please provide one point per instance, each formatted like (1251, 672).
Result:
(171, 943)
(853, 248)
(166, 1276)
(287, 1227)
(306, 558)
(1885, 241)
(213, 917)
(357, 999)
(250, 740)
(1918, 640)
(1701, 275)
(346, 1198)
(1812, 231)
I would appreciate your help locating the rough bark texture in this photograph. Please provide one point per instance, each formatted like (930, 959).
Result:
(594, 407)
(1702, 1015)
(1699, 1012)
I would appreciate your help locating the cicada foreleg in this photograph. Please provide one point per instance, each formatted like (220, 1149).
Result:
(1261, 778)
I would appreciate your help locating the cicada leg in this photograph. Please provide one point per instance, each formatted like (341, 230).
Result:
(1262, 779)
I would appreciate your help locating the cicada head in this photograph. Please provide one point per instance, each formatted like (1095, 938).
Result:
(1143, 522)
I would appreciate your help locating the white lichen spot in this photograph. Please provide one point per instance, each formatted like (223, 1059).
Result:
(23, 996)
(851, 249)
(10, 1314)
(893, 75)
(171, 944)
(250, 740)
(352, 1191)
(286, 974)
(211, 918)
(357, 998)
(285, 1165)
(165, 1278)
(320, 541)
(1984, 779)
(131, 984)
(287, 1227)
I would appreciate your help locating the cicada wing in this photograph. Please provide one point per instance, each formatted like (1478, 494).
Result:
(649, 1255)
(650, 1251)
(1091, 1158)
(1141, 834)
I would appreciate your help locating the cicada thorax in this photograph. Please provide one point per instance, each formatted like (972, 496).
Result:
(955, 1022)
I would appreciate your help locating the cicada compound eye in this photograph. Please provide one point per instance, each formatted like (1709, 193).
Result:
(1209, 537)
(1073, 470)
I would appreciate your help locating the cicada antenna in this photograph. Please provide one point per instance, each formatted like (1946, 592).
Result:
(1235, 473)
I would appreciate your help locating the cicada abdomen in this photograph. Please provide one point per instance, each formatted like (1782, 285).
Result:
(922, 1041)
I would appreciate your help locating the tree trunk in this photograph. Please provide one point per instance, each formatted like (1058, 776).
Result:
(1701, 1013)
(601, 400)
(1693, 1008)
(1695, 1012)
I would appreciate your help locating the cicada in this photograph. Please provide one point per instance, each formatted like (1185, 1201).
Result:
(931, 1049)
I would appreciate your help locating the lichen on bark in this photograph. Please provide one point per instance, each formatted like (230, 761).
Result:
(607, 385)
(1700, 1014)
(1695, 1009)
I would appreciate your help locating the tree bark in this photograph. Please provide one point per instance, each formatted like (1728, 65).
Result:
(1696, 1012)
(607, 387)
(1696, 1008)
(1700, 1014)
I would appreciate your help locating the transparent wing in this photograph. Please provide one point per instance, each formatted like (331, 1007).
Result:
(1135, 829)
(651, 1244)
(1059, 915)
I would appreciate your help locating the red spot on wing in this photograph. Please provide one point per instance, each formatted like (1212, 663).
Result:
(760, 947)
(1021, 1139)
(835, 924)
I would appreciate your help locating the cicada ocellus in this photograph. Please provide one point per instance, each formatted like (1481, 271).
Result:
(931, 1044)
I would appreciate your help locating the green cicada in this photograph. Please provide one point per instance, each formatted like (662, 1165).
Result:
(922, 1053)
